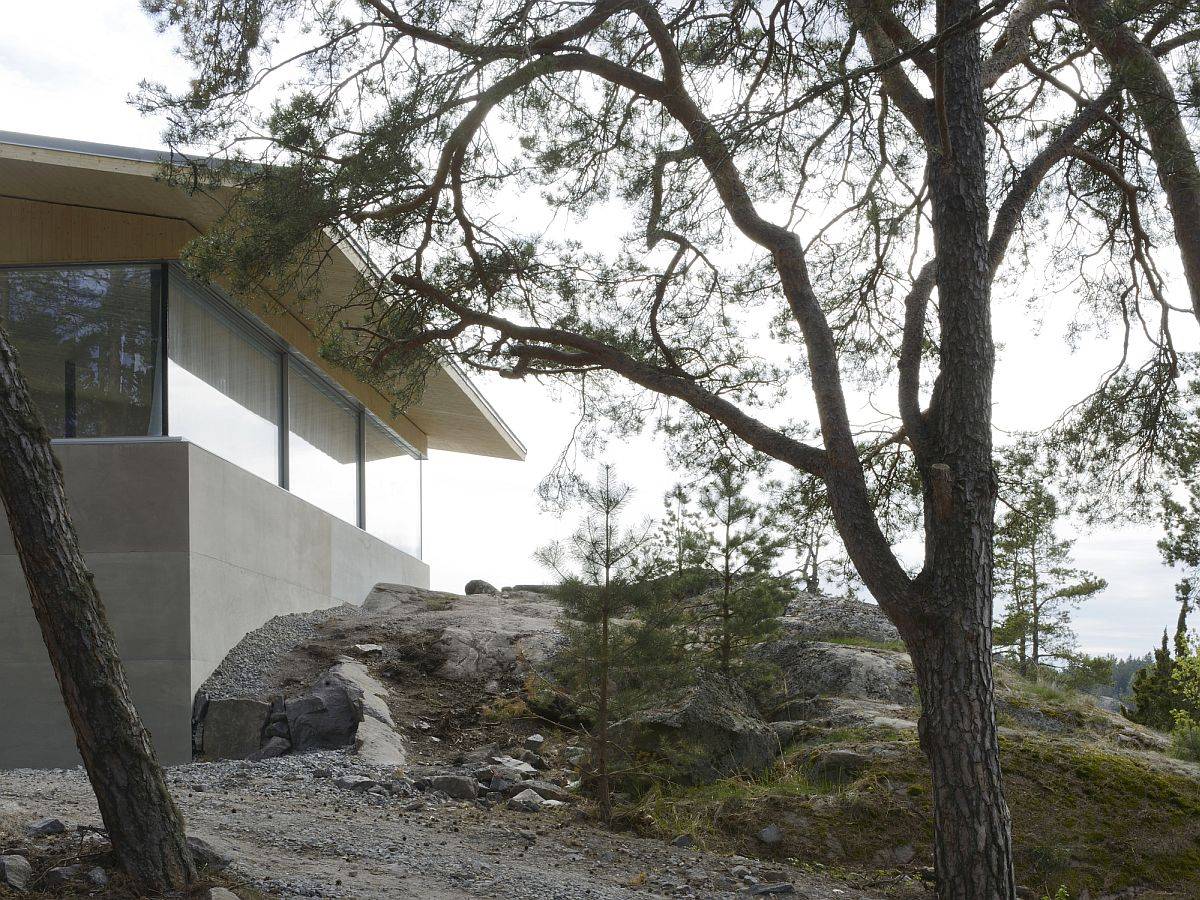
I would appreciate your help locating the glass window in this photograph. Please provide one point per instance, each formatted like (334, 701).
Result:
(88, 346)
(224, 386)
(322, 446)
(393, 490)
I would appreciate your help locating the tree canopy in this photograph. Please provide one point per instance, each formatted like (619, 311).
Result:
(844, 179)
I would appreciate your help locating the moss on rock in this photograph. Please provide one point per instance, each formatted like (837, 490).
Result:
(1084, 816)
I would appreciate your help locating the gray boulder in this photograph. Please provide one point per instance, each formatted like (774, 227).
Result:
(360, 783)
(544, 789)
(15, 872)
(61, 876)
(479, 586)
(275, 746)
(838, 766)
(324, 719)
(817, 617)
(771, 835)
(44, 827)
(207, 857)
(233, 727)
(456, 787)
(820, 669)
(526, 801)
(708, 731)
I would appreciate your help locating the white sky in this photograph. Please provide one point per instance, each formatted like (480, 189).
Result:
(67, 69)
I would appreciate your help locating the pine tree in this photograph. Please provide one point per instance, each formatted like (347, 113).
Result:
(1171, 685)
(681, 545)
(1033, 572)
(1153, 692)
(744, 607)
(621, 639)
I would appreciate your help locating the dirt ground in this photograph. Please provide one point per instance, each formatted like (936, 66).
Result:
(292, 832)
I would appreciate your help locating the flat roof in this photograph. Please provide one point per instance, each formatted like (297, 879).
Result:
(452, 413)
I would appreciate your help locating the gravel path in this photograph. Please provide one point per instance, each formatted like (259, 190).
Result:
(293, 832)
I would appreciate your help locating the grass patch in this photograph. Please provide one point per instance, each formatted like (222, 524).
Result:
(1083, 818)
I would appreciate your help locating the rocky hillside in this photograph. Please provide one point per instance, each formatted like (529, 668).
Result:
(414, 746)
(823, 768)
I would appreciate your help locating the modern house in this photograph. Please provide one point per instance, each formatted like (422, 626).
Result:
(219, 471)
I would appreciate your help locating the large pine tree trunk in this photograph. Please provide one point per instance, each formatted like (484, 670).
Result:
(143, 822)
(972, 843)
(952, 656)
(949, 635)
(949, 626)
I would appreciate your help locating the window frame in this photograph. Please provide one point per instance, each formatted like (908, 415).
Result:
(158, 319)
(246, 323)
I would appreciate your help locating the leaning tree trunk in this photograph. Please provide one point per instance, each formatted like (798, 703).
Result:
(144, 825)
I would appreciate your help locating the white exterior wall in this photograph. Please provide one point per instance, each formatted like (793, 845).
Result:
(190, 553)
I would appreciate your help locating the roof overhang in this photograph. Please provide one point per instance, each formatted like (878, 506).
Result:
(451, 413)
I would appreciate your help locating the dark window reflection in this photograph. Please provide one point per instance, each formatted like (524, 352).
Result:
(86, 339)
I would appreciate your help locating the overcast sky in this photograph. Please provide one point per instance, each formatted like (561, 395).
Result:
(67, 69)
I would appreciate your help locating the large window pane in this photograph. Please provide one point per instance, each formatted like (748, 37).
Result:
(224, 386)
(393, 490)
(88, 346)
(322, 447)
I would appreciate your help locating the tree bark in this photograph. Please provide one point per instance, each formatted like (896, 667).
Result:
(972, 825)
(144, 825)
(946, 619)
(603, 786)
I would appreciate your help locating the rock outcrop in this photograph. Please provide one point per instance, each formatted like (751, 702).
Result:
(709, 731)
(817, 617)
(346, 706)
(811, 669)
(377, 740)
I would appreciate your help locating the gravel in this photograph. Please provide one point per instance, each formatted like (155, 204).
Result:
(293, 832)
(241, 673)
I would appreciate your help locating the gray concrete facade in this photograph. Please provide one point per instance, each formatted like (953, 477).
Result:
(190, 552)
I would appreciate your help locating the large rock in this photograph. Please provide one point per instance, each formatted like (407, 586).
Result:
(377, 741)
(233, 728)
(819, 669)
(709, 731)
(805, 716)
(456, 787)
(817, 617)
(207, 858)
(326, 718)
(15, 872)
(544, 789)
(479, 586)
(44, 827)
(473, 653)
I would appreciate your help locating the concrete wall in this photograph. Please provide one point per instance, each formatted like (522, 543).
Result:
(189, 552)
(258, 551)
